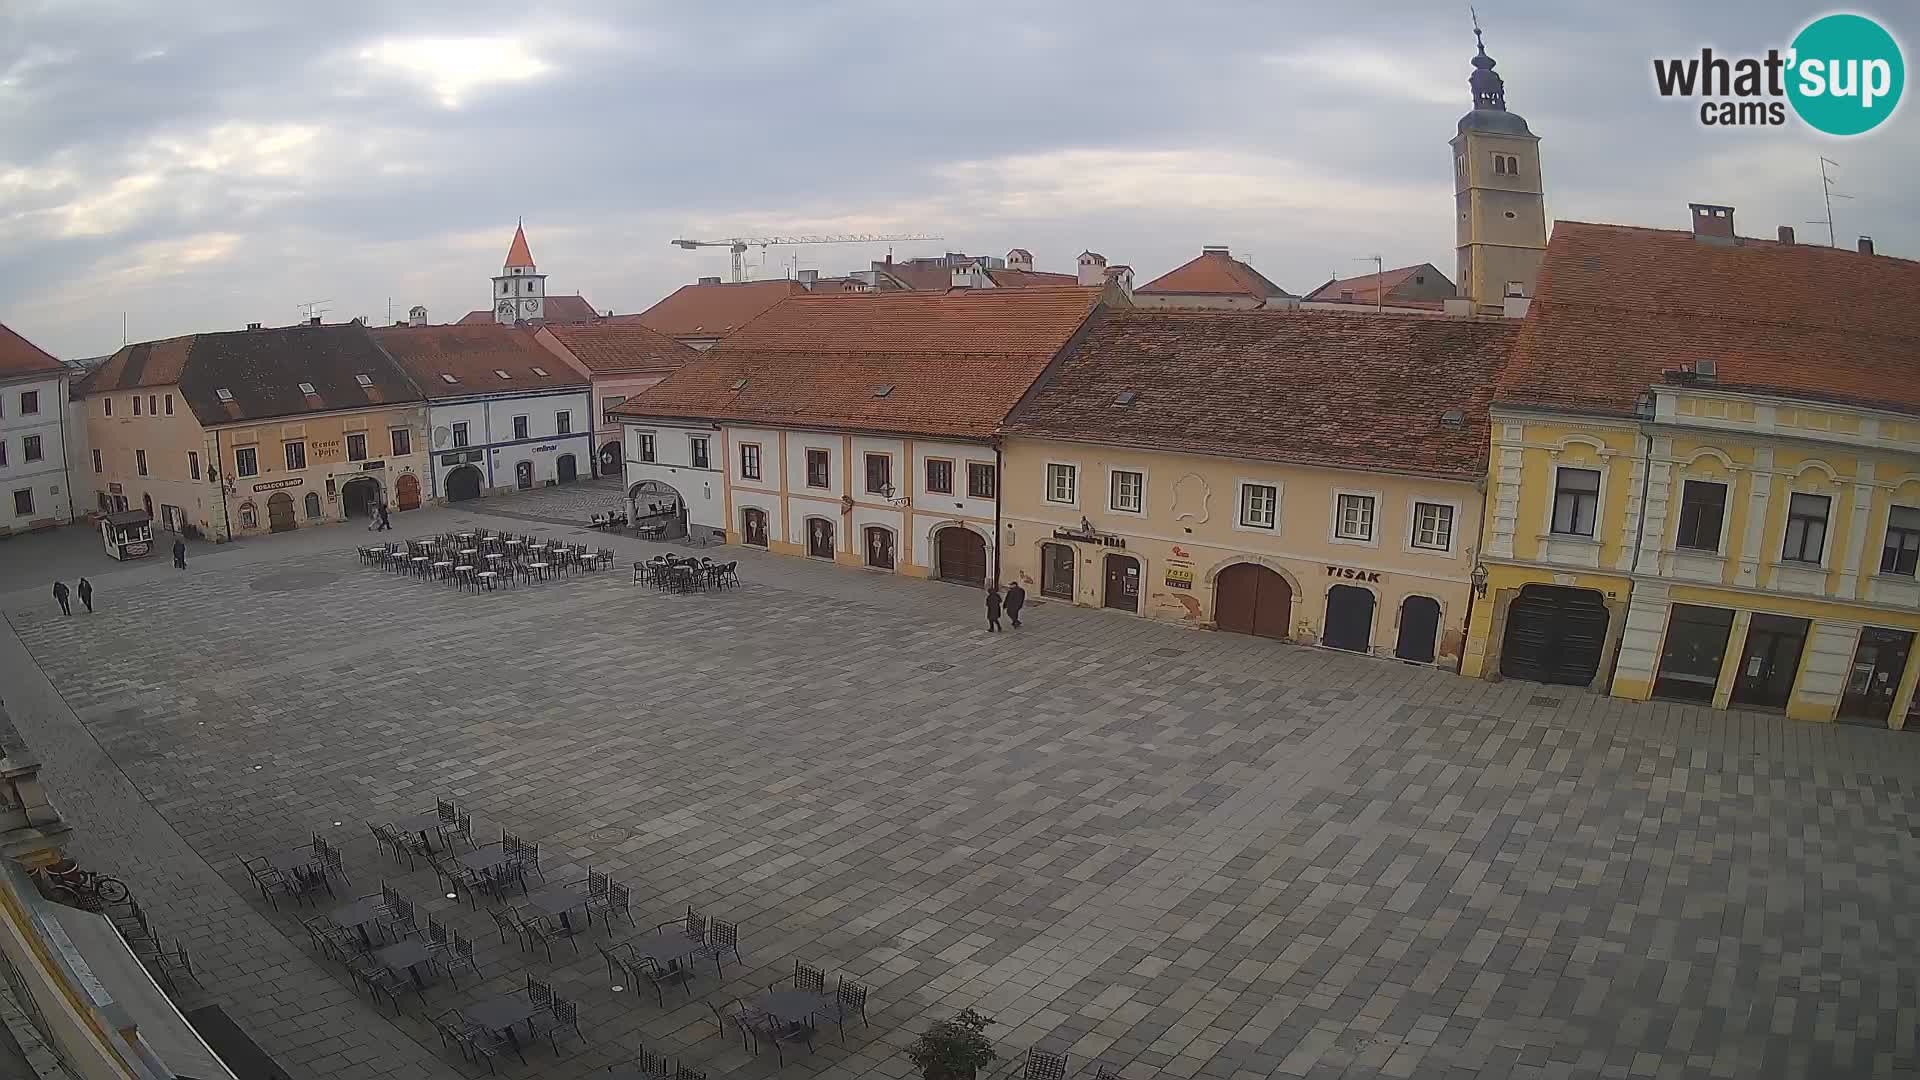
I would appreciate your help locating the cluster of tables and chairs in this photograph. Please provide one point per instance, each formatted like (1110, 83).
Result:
(671, 573)
(484, 559)
(167, 964)
(487, 1029)
(789, 1012)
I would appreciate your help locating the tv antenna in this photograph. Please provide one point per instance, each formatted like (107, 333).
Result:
(1826, 190)
(1379, 273)
(312, 309)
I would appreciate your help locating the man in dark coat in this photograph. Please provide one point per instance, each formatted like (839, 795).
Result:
(60, 594)
(86, 594)
(1016, 599)
(993, 609)
(385, 525)
(179, 553)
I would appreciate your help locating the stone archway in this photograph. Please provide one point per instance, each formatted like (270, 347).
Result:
(656, 503)
(360, 497)
(612, 461)
(463, 483)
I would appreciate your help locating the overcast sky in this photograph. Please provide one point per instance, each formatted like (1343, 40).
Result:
(200, 165)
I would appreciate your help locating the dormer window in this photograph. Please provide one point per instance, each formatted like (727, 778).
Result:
(223, 394)
(307, 389)
(363, 380)
(448, 379)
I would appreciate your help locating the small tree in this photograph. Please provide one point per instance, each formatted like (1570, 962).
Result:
(953, 1049)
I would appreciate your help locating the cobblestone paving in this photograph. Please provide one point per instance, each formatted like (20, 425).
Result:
(1174, 852)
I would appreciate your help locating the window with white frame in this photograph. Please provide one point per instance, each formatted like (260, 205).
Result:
(646, 446)
(696, 450)
(459, 433)
(1259, 506)
(1433, 526)
(1353, 517)
(1063, 483)
(749, 461)
(1127, 491)
(1576, 501)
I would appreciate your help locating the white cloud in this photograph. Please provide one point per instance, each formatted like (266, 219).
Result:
(451, 68)
(1370, 70)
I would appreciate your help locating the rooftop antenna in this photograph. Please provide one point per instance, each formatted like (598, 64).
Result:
(1379, 274)
(312, 309)
(1826, 190)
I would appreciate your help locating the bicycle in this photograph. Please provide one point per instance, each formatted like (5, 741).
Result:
(70, 885)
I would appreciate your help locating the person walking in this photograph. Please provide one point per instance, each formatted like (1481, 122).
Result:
(86, 594)
(60, 594)
(386, 524)
(1016, 599)
(179, 553)
(993, 609)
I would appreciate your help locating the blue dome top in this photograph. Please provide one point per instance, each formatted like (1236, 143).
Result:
(1495, 120)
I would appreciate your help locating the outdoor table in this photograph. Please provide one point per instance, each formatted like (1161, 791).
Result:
(293, 858)
(793, 1006)
(516, 543)
(485, 858)
(357, 915)
(559, 900)
(667, 948)
(443, 566)
(463, 570)
(492, 555)
(424, 824)
(467, 552)
(539, 568)
(419, 563)
(463, 536)
(409, 955)
(501, 1013)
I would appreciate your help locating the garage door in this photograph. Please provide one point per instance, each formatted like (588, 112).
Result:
(963, 556)
(1251, 599)
(1555, 635)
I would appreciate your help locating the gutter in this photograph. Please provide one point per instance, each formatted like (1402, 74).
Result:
(998, 528)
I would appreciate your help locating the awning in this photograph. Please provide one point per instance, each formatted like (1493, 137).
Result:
(145, 1005)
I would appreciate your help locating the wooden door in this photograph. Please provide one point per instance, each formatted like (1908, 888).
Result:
(1123, 583)
(820, 538)
(879, 548)
(280, 512)
(1770, 661)
(962, 554)
(1419, 629)
(753, 527)
(1252, 599)
(568, 470)
(1878, 663)
(1349, 619)
(406, 492)
(1554, 635)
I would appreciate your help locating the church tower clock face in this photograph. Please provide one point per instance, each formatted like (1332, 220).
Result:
(530, 306)
(506, 309)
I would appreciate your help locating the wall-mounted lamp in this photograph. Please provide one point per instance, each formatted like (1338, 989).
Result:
(1479, 579)
(1010, 534)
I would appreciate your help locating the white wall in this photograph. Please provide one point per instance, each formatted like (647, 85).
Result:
(489, 423)
(703, 490)
(45, 478)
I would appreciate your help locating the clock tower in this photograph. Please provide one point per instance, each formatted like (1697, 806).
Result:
(1500, 203)
(519, 292)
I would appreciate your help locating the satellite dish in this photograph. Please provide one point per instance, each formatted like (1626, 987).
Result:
(440, 436)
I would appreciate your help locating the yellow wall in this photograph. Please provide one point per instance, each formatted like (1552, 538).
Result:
(325, 437)
(84, 1041)
(168, 441)
(1191, 526)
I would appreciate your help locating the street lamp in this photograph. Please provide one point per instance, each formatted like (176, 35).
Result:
(1479, 578)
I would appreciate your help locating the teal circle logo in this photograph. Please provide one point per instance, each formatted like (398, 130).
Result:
(1846, 75)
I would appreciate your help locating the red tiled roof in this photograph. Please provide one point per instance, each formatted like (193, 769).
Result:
(474, 355)
(262, 371)
(1618, 305)
(621, 346)
(1214, 273)
(1363, 288)
(517, 252)
(716, 310)
(18, 356)
(925, 276)
(956, 362)
(1343, 389)
(1026, 279)
(559, 309)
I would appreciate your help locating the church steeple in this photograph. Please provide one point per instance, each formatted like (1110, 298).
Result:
(1489, 90)
(520, 290)
(1499, 200)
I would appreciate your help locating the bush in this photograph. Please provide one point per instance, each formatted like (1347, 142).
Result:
(953, 1049)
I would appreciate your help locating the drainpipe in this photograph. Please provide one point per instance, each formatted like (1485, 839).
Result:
(1633, 569)
(66, 452)
(998, 544)
(220, 462)
(1479, 546)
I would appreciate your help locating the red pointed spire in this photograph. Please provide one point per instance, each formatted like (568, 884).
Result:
(518, 254)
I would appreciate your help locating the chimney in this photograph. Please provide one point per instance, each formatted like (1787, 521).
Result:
(253, 326)
(1019, 259)
(417, 316)
(1216, 249)
(313, 320)
(1712, 224)
(1866, 245)
(1786, 235)
(1093, 268)
(709, 281)
(808, 278)
(962, 277)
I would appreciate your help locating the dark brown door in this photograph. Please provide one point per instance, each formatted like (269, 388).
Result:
(1878, 663)
(1349, 619)
(962, 554)
(820, 538)
(879, 548)
(1251, 599)
(1123, 582)
(463, 483)
(1056, 571)
(568, 469)
(753, 526)
(1554, 635)
(280, 512)
(1419, 629)
(406, 492)
(1770, 661)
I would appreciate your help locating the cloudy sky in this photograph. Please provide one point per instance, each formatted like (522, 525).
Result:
(199, 165)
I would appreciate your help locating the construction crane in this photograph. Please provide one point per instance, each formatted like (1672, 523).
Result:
(738, 245)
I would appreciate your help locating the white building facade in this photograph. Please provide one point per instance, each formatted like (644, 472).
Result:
(34, 492)
(508, 442)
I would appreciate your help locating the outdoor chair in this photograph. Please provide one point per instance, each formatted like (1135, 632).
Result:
(446, 812)
(529, 858)
(335, 866)
(306, 885)
(437, 940)
(487, 1045)
(809, 978)
(1106, 1072)
(618, 903)
(506, 924)
(461, 829)
(562, 1015)
(722, 937)
(462, 956)
(849, 1000)
(748, 1021)
(451, 1029)
(619, 965)
(535, 930)
(540, 993)
(390, 984)
(648, 968)
(399, 921)
(685, 1073)
(174, 963)
(649, 1064)
(1044, 1065)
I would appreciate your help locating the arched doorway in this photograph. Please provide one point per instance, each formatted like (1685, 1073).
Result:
(1419, 629)
(1555, 634)
(280, 512)
(879, 547)
(406, 492)
(658, 504)
(148, 501)
(463, 483)
(960, 556)
(1349, 619)
(610, 459)
(313, 506)
(753, 527)
(820, 538)
(360, 497)
(523, 475)
(1056, 571)
(1252, 599)
(566, 469)
(1123, 583)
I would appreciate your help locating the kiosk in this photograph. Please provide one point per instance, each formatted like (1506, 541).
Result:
(128, 534)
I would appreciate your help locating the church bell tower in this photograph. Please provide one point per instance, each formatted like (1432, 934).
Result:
(519, 292)
(1501, 228)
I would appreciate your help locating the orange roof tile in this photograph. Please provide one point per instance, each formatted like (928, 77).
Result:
(517, 252)
(622, 345)
(18, 356)
(1364, 287)
(716, 310)
(1360, 390)
(1215, 273)
(955, 362)
(1618, 305)
(1026, 279)
(474, 355)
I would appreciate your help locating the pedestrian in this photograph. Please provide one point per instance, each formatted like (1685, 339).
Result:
(60, 594)
(386, 525)
(179, 553)
(993, 609)
(86, 594)
(1016, 599)
(373, 520)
